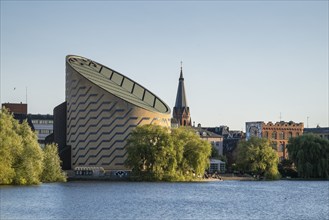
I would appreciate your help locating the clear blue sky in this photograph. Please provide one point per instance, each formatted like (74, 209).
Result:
(242, 60)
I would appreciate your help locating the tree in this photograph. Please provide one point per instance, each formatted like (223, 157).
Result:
(150, 152)
(10, 146)
(155, 153)
(21, 156)
(310, 154)
(287, 168)
(29, 164)
(256, 156)
(215, 155)
(192, 152)
(52, 171)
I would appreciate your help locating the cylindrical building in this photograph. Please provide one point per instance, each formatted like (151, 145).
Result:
(103, 106)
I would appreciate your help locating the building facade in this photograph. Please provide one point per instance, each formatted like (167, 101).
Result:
(231, 139)
(102, 108)
(181, 111)
(214, 139)
(279, 134)
(43, 126)
(321, 132)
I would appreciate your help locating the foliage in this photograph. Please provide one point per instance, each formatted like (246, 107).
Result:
(256, 156)
(193, 153)
(310, 154)
(215, 155)
(150, 152)
(21, 156)
(29, 163)
(10, 147)
(155, 153)
(287, 169)
(214, 152)
(52, 171)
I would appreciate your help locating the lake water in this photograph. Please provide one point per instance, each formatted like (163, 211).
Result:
(131, 200)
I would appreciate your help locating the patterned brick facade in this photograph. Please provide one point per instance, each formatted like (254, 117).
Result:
(279, 134)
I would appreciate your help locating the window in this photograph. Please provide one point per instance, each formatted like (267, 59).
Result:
(281, 136)
(289, 135)
(281, 147)
(274, 145)
(265, 135)
(297, 134)
(213, 167)
(274, 136)
(44, 131)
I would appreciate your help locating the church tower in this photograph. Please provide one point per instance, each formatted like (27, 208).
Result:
(181, 111)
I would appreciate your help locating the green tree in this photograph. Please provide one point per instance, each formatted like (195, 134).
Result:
(10, 146)
(256, 156)
(192, 153)
(22, 160)
(52, 171)
(310, 154)
(151, 153)
(155, 153)
(287, 168)
(215, 154)
(29, 164)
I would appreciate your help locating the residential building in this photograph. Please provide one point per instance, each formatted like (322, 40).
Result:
(231, 139)
(214, 139)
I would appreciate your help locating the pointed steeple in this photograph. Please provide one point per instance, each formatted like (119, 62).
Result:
(181, 96)
(181, 110)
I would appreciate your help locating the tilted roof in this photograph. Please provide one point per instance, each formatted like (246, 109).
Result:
(117, 84)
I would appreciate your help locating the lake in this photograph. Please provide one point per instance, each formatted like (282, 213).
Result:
(145, 200)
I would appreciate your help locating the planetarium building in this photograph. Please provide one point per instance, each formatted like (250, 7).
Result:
(102, 108)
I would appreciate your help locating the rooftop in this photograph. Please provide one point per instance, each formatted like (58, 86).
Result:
(117, 84)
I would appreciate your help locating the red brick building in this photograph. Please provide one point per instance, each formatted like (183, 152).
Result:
(17, 108)
(279, 133)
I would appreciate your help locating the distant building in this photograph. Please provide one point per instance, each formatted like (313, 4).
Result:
(181, 110)
(321, 132)
(41, 124)
(17, 108)
(214, 139)
(231, 139)
(279, 134)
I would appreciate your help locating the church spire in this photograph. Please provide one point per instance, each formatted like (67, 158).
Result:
(181, 70)
(181, 110)
(181, 96)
